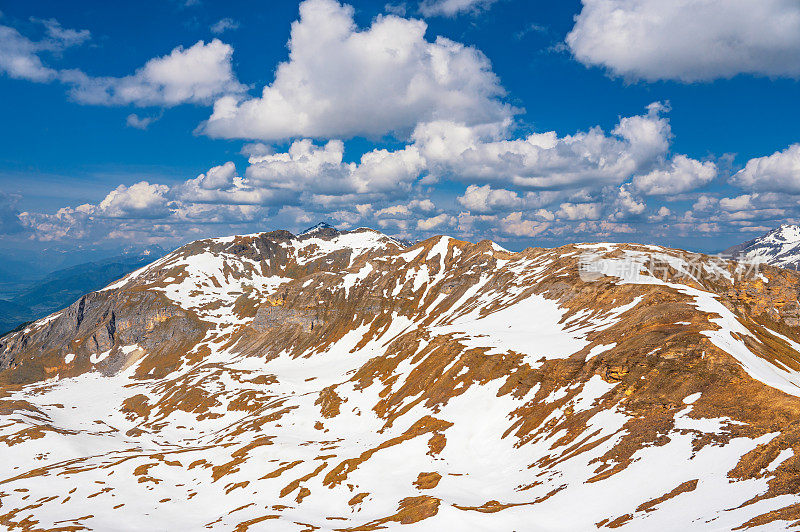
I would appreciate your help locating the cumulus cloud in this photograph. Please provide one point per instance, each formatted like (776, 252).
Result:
(779, 172)
(545, 160)
(580, 211)
(625, 204)
(197, 74)
(306, 166)
(140, 200)
(423, 205)
(515, 225)
(341, 81)
(681, 175)
(393, 211)
(705, 203)
(449, 8)
(66, 223)
(429, 224)
(20, 56)
(223, 185)
(689, 40)
(484, 199)
(745, 201)
(552, 181)
(662, 214)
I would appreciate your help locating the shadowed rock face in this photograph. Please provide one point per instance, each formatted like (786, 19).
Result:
(345, 381)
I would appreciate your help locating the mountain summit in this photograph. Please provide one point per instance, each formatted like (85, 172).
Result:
(321, 226)
(779, 247)
(343, 381)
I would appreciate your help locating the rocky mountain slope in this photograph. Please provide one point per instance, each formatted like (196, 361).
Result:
(779, 247)
(60, 288)
(344, 381)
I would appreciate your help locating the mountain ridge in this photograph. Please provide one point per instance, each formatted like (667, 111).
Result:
(345, 381)
(777, 247)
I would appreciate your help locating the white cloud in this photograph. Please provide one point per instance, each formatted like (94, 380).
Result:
(256, 149)
(341, 82)
(662, 214)
(682, 175)
(223, 25)
(19, 55)
(61, 37)
(779, 172)
(424, 205)
(399, 211)
(383, 171)
(140, 200)
(197, 74)
(580, 211)
(626, 204)
(689, 40)
(707, 227)
(222, 185)
(739, 203)
(755, 229)
(705, 203)
(306, 166)
(449, 8)
(346, 219)
(484, 199)
(393, 211)
(428, 224)
(545, 160)
(218, 177)
(65, 223)
(515, 225)
(303, 166)
(140, 122)
(603, 228)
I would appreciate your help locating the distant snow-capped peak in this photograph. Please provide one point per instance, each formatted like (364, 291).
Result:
(778, 247)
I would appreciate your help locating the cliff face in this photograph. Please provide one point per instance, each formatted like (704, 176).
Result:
(346, 381)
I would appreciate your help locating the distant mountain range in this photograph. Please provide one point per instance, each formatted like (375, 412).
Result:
(60, 288)
(779, 247)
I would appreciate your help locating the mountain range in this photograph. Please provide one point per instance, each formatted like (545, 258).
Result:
(340, 380)
(779, 247)
(55, 290)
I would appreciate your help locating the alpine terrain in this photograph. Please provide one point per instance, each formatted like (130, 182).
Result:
(779, 247)
(349, 381)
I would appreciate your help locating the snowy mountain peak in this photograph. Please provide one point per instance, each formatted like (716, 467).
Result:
(316, 228)
(786, 232)
(778, 247)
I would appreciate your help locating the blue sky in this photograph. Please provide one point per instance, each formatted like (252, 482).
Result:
(530, 123)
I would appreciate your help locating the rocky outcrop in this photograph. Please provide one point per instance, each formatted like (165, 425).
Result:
(100, 322)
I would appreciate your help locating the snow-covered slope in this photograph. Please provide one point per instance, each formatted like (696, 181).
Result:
(343, 381)
(779, 247)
